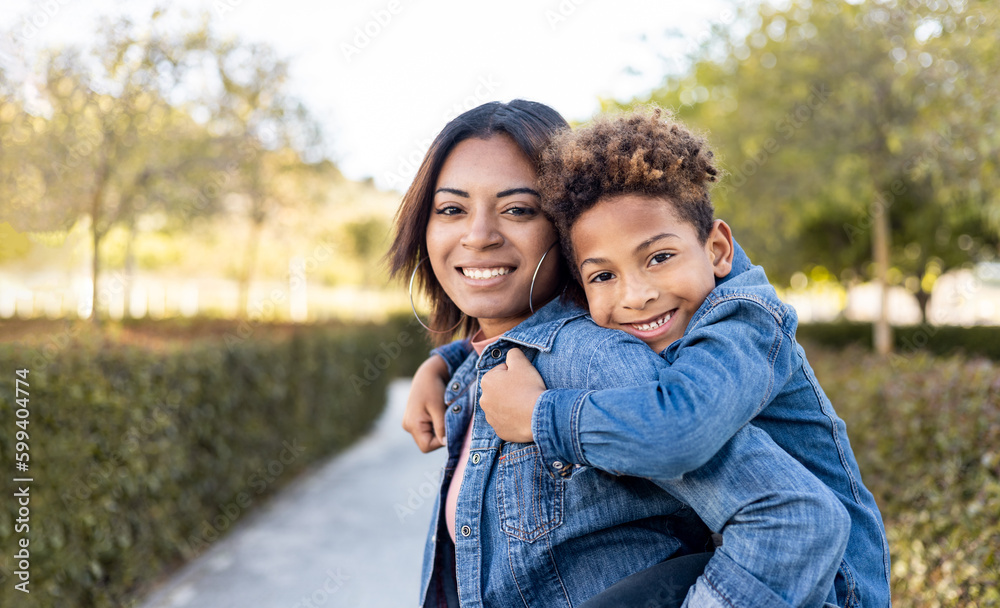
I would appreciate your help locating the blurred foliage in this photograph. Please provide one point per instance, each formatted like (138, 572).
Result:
(926, 432)
(144, 437)
(13, 244)
(368, 239)
(827, 114)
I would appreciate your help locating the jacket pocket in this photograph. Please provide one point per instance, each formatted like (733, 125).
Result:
(530, 500)
(846, 586)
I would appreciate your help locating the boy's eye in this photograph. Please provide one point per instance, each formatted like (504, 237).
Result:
(660, 258)
(601, 277)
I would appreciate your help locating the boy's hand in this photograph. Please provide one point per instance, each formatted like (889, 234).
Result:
(510, 391)
(424, 415)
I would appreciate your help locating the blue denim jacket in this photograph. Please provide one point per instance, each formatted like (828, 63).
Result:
(542, 532)
(738, 361)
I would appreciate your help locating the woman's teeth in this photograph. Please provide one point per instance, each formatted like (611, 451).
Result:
(654, 324)
(484, 273)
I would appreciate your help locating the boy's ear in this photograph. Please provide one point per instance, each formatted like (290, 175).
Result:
(719, 246)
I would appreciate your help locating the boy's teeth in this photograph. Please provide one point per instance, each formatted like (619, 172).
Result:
(654, 324)
(484, 273)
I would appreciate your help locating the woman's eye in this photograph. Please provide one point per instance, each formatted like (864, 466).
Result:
(449, 210)
(601, 277)
(521, 211)
(661, 258)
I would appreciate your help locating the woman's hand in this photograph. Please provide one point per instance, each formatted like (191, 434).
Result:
(424, 415)
(510, 391)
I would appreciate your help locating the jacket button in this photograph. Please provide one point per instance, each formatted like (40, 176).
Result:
(466, 530)
(495, 353)
(558, 465)
(456, 408)
(475, 458)
(455, 386)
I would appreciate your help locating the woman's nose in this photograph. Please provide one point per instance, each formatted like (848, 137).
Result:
(483, 231)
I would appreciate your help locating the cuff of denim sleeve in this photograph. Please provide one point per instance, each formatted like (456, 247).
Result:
(725, 584)
(556, 429)
(454, 354)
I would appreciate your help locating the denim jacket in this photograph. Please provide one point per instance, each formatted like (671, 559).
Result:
(737, 362)
(540, 532)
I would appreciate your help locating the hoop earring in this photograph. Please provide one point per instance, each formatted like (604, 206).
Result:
(414, 308)
(531, 291)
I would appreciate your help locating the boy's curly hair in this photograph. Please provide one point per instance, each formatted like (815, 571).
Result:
(641, 152)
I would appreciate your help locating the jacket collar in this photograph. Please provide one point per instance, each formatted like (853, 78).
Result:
(741, 264)
(539, 330)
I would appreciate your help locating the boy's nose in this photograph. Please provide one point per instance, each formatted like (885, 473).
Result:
(638, 294)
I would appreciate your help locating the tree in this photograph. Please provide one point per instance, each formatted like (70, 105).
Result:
(129, 129)
(832, 113)
(110, 144)
(273, 132)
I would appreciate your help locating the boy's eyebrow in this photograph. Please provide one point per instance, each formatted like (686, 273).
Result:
(642, 245)
(650, 241)
(501, 194)
(597, 261)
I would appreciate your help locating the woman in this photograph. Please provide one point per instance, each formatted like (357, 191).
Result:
(515, 529)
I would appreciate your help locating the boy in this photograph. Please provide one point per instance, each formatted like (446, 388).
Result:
(630, 198)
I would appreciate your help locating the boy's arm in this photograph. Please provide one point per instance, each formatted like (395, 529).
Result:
(784, 532)
(725, 370)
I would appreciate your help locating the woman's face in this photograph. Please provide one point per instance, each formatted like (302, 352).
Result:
(486, 233)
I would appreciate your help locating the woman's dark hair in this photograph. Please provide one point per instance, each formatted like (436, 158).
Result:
(530, 124)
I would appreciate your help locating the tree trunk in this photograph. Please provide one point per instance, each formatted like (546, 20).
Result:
(95, 264)
(96, 236)
(882, 337)
(129, 269)
(922, 299)
(249, 262)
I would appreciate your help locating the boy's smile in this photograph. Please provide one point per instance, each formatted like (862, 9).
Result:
(644, 269)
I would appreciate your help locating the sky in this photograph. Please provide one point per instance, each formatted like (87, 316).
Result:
(384, 76)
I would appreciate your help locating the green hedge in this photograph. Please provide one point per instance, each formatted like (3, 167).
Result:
(939, 340)
(147, 442)
(926, 431)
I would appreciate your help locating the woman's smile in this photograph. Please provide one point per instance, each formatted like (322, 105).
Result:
(488, 272)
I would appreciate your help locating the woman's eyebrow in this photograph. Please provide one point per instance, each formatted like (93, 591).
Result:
(513, 191)
(454, 191)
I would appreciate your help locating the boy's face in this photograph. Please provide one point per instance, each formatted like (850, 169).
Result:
(644, 269)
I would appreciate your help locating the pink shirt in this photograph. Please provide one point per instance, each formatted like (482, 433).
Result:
(451, 501)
